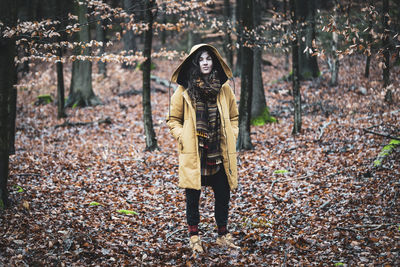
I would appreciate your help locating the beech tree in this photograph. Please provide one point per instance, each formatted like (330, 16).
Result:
(246, 92)
(81, 91)
(8, 13)
(335, 40)
(386, 49)
(228, 49)
(259, 110)
(308, 66)
(128, 37)
(151, 141)
(101, 38)
(296, 70)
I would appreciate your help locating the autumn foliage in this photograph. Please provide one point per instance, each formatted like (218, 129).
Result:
(84, 192)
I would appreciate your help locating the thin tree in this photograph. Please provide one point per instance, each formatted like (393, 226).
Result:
(306, 15)
(296, 72)
(259, 104)
(238, 21)
(386, 50)
(60, 69)
(81, 91)
(128, 36)
(369, 41)
(335, 40)
(228, 39)
(100, 37)
(244, 139)
(60, 86)
(151, 141)
(286, 66)
(8, 12)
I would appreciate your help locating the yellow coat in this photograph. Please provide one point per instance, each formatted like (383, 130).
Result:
(182, 123)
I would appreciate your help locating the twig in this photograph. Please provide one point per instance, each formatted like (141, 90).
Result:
(67, 123)
(326, 124)
(325, 205)
(384, 135)
(174, 232)
(277, 198)
(272, 185)
(371, 227)
(27, 174)
(346, 229)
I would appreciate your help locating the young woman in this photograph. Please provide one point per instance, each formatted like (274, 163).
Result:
(203, 117)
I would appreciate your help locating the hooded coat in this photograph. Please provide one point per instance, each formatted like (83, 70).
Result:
(181, 121)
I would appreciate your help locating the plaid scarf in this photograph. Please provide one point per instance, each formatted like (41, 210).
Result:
(208, 122)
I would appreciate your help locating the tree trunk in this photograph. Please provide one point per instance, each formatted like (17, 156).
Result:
(306, 15)
(129, 37)
(244, 139)
(8, 14)
(61, 8)
(12, 114)
(151, 141)
(369, 40)
(81, 91)
(164, 21)
(296, 72)
(286, 66)
(228, 39)
(24, 14)
(258, 104)
(238, 15)
(385, 44)
(100, 37)
(335, 39)
(60, 86)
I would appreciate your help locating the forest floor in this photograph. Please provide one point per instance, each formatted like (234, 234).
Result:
(310, 199)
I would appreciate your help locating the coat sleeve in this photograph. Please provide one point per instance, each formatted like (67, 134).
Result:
(233, 112)
(175, 114)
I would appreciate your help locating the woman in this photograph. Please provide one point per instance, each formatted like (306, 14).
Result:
(203, 117)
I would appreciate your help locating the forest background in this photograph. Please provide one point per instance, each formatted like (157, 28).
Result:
(90, 179)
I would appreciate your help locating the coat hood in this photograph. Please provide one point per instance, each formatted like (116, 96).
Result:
(180, 75)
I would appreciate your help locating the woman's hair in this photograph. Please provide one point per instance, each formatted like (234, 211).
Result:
(194, 69)
(194, 72)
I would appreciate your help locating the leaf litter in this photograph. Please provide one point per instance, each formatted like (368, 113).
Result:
(309, 199)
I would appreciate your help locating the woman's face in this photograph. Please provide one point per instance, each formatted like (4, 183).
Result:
(205, 62)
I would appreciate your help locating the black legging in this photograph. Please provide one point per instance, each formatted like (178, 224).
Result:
(220, 186)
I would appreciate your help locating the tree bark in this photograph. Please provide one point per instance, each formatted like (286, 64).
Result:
(306, 15)
(24, 14)
(8, 13)
(244, 139)
(286, 66)
(60, 86)
(81, 91)
(100, 37)
(258, 104)
(296, 72)
(368, 61)
(385, 43)
(151, 141)
(335, 40)
(238, 15)
(12, 115)
(128, 37)
(228, 39)
(164, 21)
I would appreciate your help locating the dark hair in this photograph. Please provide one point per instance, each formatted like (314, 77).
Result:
(193, 72)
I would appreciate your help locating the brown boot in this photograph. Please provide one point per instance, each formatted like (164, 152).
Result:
(226, 241)
(195, 244)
